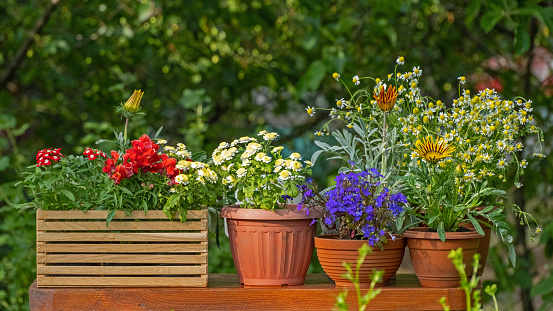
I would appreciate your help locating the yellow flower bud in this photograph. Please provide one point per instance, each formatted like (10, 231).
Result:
(133, 103)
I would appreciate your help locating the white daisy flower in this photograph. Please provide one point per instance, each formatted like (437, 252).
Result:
(184, 153)
(270, 136)
(310, 111)
(295, 156)
(259, 157)
(356, 80)
(341, 103)
(277, 149)
(400, 60)
(284, 175)
(241, 172)
(181, 179)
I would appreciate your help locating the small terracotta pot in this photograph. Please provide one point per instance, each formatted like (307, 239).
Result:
(484, 245)
(429, 255)
(270, 248)
(332, 252)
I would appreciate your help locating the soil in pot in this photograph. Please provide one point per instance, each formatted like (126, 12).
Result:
(332, 252)
(429, 255)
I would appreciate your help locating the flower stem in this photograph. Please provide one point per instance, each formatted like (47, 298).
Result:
(125, 131)
(384, 153)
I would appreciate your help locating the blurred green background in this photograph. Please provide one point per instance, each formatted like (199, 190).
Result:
(214, 70)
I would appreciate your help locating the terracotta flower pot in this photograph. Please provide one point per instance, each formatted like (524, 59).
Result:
(429, 255)
(332, 252)
(270, 248)
(484, 245)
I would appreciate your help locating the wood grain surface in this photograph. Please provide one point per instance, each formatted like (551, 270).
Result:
(224, 293)
(76, 249)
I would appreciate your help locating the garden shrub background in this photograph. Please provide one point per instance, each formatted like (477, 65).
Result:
(216, 69)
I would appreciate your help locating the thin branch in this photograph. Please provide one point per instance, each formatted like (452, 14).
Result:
(37, 29)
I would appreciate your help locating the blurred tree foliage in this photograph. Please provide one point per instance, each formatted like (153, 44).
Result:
(216, 69)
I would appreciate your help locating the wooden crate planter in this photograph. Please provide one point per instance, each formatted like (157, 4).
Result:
(77, 249)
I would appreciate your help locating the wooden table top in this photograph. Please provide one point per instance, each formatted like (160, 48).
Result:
(224, 293)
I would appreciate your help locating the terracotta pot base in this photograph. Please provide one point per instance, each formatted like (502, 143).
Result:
(270, 248)
(429, 255)
(332, 252)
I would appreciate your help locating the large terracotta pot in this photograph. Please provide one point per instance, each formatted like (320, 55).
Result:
(429, 255)
(270, 248)
(484, 245)
(332, 252)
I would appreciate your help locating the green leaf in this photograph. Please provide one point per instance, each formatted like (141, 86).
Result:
(68, 194)
(21, 129)
(512, 254)
(309, 41)
(312, 79)
(547, 13)
(472, 11)
(490, 19)
(545, 286)
(158, 132)
(111, 214)
(522, 41)
(127, 191)
(316, 156)
(476, 225)
(183, 214)
(4, 163)
(391, 33)
(441, 231)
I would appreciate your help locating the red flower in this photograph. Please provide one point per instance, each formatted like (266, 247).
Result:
(141, 158)
(169, 165)
(46, 156)
(93, 154)
(119, 174)
(109, 165)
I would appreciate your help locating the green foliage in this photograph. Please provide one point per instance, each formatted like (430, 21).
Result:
(67, 185)
(364, 150)
(257, 174)
(17, 258)
(440, 205)
(362, 300)
(213, 70)
(469, 284)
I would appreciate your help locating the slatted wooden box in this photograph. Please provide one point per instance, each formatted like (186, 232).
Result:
(75, 249)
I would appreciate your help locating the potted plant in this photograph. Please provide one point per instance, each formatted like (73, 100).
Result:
(103, 221)
(484, 130)
(444, 211)
(271, 241)
(367, 213)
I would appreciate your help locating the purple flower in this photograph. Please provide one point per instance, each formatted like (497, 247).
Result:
(366, 209)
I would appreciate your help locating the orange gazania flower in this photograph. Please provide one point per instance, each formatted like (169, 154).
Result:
(433, 151)
(386, 99)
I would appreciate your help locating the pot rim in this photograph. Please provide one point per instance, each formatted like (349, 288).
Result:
(417, 233)
(347, 244)
(288, 213)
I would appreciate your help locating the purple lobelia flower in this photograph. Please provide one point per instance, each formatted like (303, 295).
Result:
(366, 209)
